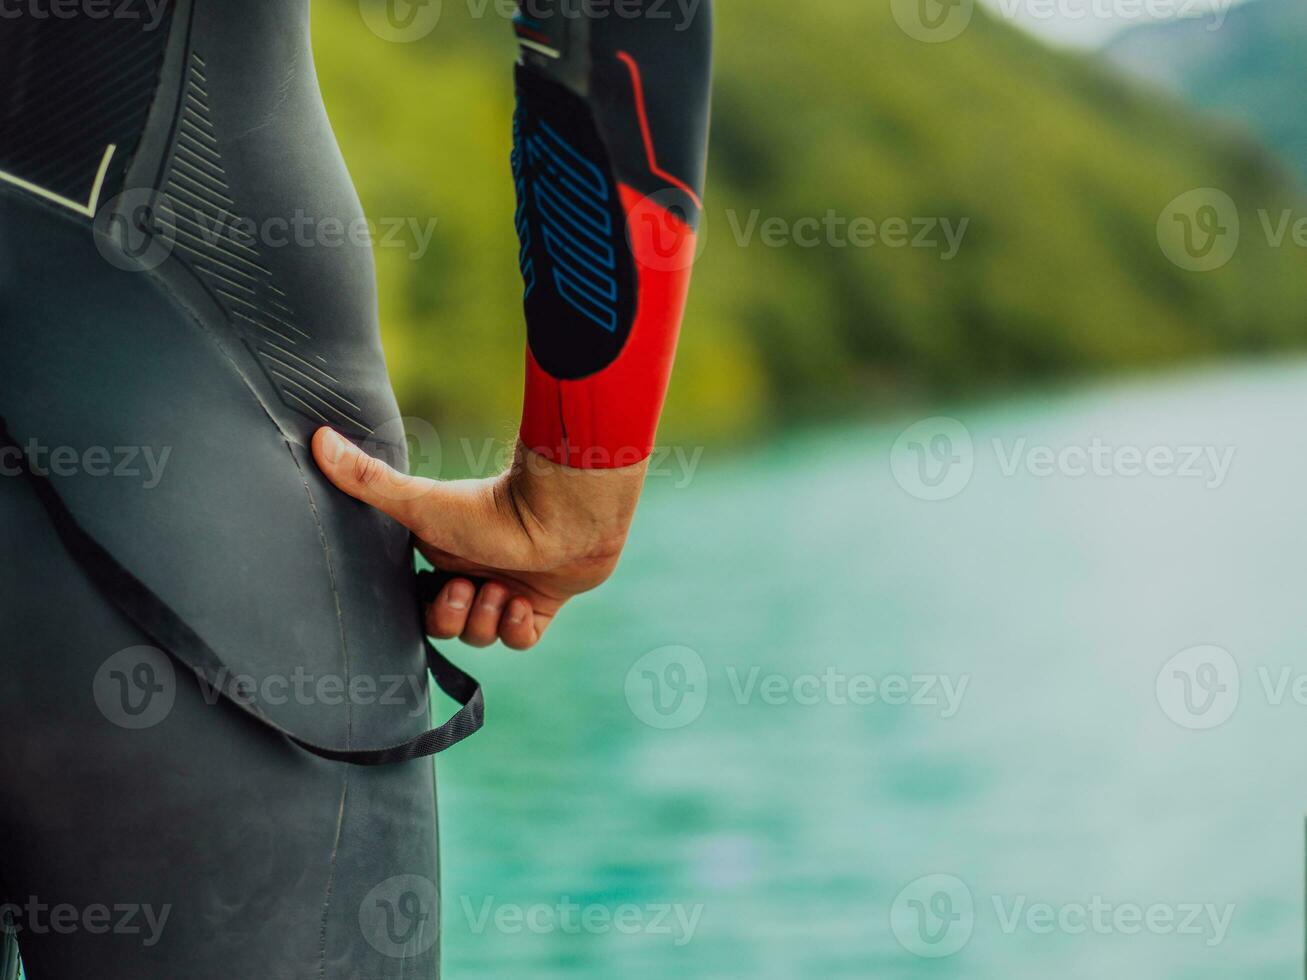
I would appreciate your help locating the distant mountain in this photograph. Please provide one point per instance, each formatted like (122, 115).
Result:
(1252, 67)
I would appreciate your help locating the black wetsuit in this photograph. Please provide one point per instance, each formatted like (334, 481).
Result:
(169, 342)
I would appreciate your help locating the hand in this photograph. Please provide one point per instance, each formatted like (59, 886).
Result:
(540, 534)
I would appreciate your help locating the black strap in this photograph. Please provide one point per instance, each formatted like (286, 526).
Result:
(171, 633)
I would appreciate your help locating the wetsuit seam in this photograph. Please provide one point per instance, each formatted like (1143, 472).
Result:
(349, 712)
(331, 878)
(335, 592)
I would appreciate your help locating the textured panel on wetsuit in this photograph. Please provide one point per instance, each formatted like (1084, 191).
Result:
(645, 76)
(575, 257)
(72, 86)
(197, 213)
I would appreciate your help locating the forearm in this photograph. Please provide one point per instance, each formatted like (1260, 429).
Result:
(610, 153)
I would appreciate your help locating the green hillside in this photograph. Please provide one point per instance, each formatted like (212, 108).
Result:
(1060, 170)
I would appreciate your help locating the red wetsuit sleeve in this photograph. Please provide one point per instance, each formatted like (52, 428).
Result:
(609, 158)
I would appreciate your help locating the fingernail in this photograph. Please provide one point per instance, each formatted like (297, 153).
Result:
(335, 445)
(459, 596)
(515, 613)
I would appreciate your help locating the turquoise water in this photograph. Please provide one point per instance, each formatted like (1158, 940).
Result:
(793, 829)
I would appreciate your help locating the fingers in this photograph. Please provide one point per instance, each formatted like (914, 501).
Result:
(483, 622)
(447, 614)
(369, 479)
(481, 618)
(518, 629)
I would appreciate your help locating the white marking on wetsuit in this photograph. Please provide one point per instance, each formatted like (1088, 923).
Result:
(87, 209)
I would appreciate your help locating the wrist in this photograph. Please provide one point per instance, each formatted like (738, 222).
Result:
(573, 513)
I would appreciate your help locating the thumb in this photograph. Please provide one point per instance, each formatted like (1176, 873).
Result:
(371, 480)
(458, 517)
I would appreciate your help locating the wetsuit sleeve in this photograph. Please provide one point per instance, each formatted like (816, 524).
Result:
(610, 150)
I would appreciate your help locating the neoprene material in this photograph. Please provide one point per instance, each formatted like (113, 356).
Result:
(181, 359)
(611, 140)
(179, 312)
(174, 637)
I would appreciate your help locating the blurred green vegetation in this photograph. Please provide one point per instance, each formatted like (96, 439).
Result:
(1061, 169)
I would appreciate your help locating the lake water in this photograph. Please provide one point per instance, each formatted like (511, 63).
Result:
(1051, 723)
(822, 726)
